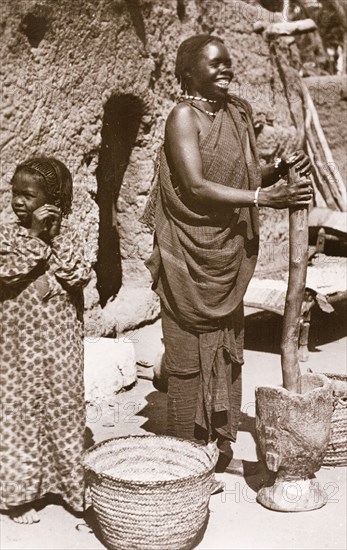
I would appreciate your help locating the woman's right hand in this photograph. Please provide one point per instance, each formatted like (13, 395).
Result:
(283, 194)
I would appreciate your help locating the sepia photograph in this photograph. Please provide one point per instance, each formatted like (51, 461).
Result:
(173, 275)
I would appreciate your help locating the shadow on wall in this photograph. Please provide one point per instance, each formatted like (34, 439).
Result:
(122, 118)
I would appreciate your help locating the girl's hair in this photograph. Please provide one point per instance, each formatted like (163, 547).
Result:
(55, 177)
(187, 55)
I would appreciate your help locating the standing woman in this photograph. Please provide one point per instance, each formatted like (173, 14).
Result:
(206, 241)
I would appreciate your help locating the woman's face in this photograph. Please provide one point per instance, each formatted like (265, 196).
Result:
(212, 73)
(28, 194)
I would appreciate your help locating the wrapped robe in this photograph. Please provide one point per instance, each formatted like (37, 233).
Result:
(204, 258)
(41, 348)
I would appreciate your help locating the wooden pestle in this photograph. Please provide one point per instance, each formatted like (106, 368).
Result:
(298, 258)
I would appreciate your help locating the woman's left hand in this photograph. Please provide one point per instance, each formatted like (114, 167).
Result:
(300, 160)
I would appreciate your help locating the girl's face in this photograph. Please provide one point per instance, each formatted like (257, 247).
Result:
(212, 73)
(28, 194)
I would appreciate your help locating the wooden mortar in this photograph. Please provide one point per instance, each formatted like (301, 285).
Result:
(293, 421)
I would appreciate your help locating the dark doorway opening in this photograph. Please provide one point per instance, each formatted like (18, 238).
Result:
(34, 27)
(122, 118)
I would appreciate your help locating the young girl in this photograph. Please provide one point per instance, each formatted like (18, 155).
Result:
(42, 272)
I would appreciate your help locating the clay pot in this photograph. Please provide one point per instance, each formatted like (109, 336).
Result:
(293, 433)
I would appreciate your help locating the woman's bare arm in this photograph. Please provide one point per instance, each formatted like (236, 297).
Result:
(182, 149)
(183, 153)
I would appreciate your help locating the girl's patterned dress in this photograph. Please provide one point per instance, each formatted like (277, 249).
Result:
(41, 347)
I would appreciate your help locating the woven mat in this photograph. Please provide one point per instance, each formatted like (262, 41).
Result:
(327, 276)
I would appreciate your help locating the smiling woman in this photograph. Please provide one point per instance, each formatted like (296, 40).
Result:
(206, 241)
(210, 71)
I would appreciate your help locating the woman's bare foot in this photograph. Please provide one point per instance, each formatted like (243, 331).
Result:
(24, 514)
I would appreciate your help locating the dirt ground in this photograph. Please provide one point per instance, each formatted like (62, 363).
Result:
(236, 521)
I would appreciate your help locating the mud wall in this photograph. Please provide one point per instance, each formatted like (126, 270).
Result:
(91, 81)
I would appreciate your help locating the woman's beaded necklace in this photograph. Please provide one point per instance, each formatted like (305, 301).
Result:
(195, 98)
(186, 96)
(210, 113)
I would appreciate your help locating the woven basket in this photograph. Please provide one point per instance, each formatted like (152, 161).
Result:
(150, 492)
(336, 454)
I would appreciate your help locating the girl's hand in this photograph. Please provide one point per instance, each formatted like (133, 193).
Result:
(283, 195)
(54, 229)
(43, 219)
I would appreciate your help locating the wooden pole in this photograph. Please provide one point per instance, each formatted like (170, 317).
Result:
(289, 28)
(336, 181)
(312, 152)
(298, 258)
(323, 178)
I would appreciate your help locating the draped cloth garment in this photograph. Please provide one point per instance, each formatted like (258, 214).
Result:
(41, 366)
(204, 257)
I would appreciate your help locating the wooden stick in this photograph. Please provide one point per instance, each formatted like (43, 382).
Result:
(336, 180)
(319, 186)
(289, 28)
(323, 177)
(298, 258)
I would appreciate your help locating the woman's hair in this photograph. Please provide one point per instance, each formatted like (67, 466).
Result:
(188, 53)
(55, 177)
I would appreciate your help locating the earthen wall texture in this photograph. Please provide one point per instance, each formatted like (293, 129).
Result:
(56, 88)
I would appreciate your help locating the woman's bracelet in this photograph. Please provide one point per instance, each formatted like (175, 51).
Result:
(256, 195)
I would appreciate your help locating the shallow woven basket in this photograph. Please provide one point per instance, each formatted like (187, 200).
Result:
(336, 454)
(150, 492)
